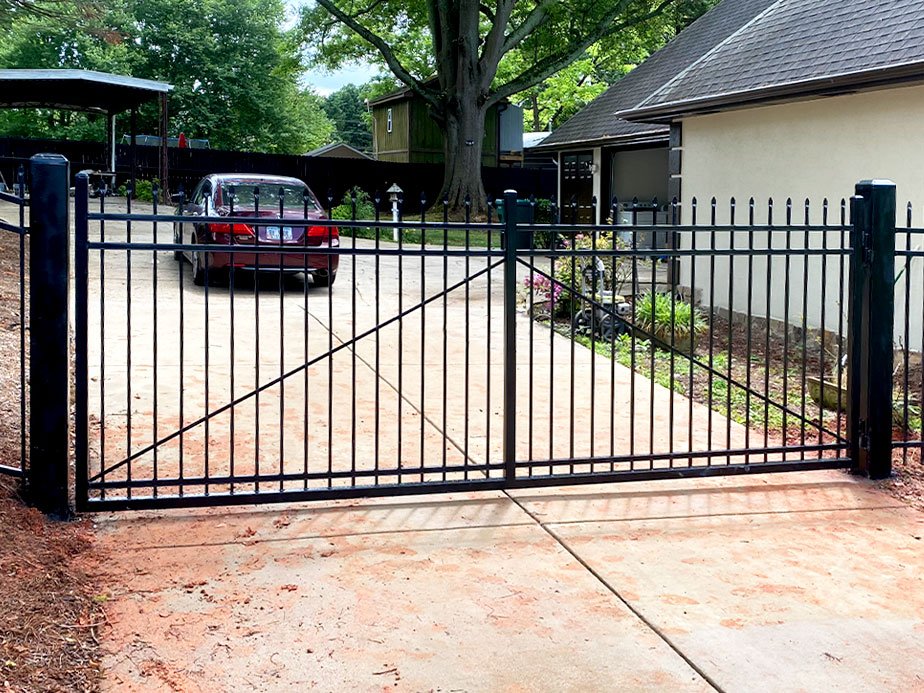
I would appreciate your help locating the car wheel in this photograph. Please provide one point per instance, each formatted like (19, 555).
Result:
(325, 280)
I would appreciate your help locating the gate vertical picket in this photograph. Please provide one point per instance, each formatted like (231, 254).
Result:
(511, 244)
(81, 278)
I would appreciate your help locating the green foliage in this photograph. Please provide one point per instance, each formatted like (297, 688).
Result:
(144, 190)
(559, 97)
(660, 314)
(347, 110)
(365, 207)
(235, 74)
(403, 26)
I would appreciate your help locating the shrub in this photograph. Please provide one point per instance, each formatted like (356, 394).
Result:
(365, 207)
(144, 190)
(653, 313)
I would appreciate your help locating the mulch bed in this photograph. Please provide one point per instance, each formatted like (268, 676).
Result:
(50, 609)
(50, 616)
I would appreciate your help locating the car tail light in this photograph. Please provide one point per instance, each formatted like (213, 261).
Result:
(235, 229)
(316, 235)
(323, 231)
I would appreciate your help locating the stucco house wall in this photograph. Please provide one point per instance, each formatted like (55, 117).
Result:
(813, 149)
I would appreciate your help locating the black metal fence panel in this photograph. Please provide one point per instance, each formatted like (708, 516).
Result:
(908, 380)
(270, 353)
(14, 322)
(714, 358)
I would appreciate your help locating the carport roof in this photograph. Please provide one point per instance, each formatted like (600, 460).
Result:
(76, 90)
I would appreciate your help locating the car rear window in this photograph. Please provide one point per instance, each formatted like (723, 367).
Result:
(293, 196)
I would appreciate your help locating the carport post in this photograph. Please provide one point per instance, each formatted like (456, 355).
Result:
(49, 343)
(871, 323)
(133, 146)
(511, 243)
(164, 181)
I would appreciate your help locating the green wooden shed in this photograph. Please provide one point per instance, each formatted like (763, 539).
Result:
(403, 131)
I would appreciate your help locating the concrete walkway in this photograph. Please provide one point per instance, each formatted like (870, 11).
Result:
(799, 582)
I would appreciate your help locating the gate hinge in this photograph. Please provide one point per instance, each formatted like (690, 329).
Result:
(867, 248)
(864, 441)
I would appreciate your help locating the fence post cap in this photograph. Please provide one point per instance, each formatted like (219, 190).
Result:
(49, 158)
(876, 181)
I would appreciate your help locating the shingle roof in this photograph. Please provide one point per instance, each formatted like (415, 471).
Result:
(596, 121)
(797, 43)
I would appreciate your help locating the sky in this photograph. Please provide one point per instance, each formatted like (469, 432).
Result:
(324, 82)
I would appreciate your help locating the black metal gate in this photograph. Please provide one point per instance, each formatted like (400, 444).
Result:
(466, 355)
(270, 348)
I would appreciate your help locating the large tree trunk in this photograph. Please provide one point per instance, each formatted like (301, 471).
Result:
(463, 144)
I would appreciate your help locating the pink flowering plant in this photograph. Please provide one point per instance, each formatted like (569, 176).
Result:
(540, 292)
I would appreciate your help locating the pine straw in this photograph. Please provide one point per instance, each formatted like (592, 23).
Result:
(49, 619)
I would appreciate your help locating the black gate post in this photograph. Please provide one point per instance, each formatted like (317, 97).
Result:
(871, 320)
(49, 368)
(511, 243)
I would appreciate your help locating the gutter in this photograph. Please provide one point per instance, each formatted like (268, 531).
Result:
(655, 137)
(829, 85)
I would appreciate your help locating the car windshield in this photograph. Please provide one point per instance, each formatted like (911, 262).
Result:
(293, 196)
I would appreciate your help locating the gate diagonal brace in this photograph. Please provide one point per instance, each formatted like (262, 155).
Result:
(298, 369)
(694, 361)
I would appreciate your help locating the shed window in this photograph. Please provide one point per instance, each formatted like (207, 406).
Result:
(388, 120)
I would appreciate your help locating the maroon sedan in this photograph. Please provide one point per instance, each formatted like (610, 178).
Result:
(219, 195)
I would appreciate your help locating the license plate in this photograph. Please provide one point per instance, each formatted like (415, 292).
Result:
(272, 233)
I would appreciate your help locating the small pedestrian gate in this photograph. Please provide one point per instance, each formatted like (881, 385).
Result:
(486, 353)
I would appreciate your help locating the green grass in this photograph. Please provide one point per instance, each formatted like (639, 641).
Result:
(741, 403)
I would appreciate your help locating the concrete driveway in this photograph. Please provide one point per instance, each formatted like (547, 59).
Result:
(799, 582)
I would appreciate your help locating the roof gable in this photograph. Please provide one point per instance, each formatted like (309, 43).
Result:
(597, 121)
(797, 43)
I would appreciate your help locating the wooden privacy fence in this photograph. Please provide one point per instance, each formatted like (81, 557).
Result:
(322, 174)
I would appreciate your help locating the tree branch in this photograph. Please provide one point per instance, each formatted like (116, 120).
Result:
(388, 54)
(533, 19)
(493, 45)
(487, 12)
(551, 64)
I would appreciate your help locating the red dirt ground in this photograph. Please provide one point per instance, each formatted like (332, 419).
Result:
(49, 618)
